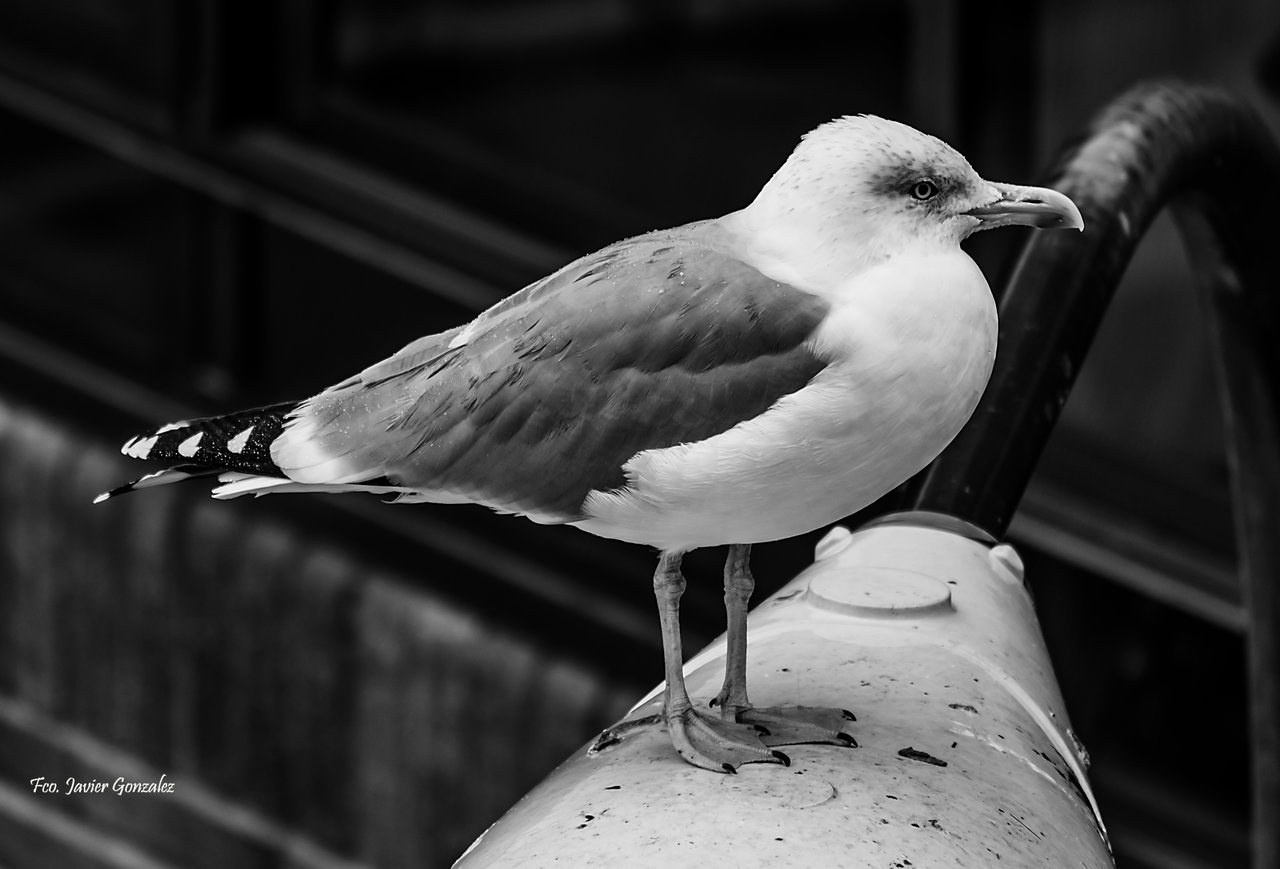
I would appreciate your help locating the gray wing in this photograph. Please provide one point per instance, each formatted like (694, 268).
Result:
(652, 342)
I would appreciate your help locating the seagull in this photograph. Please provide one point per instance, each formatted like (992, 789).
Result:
(727, 382)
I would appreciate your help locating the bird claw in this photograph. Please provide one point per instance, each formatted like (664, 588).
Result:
(612, 736)
(718, 745)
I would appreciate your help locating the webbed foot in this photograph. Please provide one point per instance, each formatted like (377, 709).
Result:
(795, 725)
(720, 745)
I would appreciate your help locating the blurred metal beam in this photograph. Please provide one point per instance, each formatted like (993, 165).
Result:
(245, 173)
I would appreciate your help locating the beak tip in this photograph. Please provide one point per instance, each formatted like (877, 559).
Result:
(1068, 213)
(1040, 207)
(1073, 219)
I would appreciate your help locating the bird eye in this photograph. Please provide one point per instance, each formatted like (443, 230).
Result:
(924, 190)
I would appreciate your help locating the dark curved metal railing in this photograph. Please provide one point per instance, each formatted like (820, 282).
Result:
(1208, 157)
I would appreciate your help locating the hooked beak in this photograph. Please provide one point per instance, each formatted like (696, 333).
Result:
(1028, 206)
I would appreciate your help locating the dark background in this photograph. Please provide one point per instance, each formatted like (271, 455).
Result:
(208, 205)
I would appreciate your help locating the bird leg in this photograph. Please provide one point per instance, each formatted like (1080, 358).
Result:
(778, 725)
(706, 742)
(738, 587)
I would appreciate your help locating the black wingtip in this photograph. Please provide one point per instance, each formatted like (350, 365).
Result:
(174, 474)
(239, 441)
(114, 493)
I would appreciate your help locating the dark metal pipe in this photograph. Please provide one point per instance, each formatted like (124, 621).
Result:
(1209, 157)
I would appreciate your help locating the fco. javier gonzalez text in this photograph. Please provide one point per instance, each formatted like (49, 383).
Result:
(119, 786)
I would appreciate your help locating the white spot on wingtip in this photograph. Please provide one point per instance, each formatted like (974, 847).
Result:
(104, 496)
(188, 447)
(139, 448)
(240, 441)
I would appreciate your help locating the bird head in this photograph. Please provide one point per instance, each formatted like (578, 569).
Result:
(873, 188)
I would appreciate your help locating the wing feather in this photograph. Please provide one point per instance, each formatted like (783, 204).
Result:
(663, 339)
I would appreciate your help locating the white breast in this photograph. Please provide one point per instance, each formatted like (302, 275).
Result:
(912, 348)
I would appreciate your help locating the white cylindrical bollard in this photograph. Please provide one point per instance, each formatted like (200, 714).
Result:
(965, 755)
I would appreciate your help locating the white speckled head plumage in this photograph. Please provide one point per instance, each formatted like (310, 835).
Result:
(869, 137)
(857, 172)
(860, 189)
